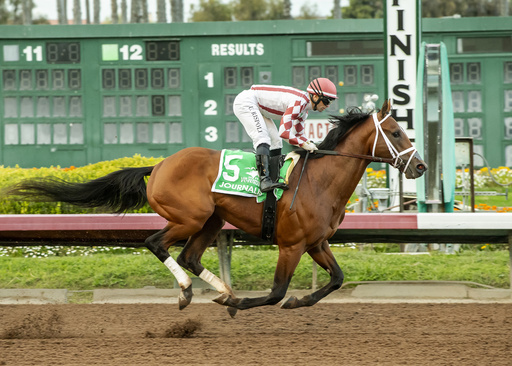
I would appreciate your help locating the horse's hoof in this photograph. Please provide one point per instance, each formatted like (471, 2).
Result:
(232, 311)
(228, 300)
(222, 299)
(185, 297)
(291, 303)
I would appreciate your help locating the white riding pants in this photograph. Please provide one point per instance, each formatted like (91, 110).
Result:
(261, 130)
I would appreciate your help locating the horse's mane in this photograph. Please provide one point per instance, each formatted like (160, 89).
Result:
(342, 124)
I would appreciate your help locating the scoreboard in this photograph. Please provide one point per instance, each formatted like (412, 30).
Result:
(78, 94)
(72, 95)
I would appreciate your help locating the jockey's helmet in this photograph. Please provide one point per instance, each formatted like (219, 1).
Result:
(323, 87)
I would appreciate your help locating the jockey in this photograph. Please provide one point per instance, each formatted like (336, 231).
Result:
(257, 107)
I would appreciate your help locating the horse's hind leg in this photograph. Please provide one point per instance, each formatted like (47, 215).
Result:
(190, 256)
(322, 255)
(156, 243)
(288, 260)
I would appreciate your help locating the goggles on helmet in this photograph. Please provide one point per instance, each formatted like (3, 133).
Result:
(326, 100)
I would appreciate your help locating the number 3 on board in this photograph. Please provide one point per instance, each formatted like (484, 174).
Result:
(211, 134)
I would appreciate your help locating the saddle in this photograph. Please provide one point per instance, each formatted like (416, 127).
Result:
(238, 176)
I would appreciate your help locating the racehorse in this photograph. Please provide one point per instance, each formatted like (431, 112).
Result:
(180, 189)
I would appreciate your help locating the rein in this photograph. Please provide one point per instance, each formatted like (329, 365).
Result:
(359, 156)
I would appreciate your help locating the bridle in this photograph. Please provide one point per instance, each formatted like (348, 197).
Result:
(396, 161)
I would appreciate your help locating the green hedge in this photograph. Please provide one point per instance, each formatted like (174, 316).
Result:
(10, 176)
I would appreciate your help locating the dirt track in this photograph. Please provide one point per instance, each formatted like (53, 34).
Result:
(204, 334)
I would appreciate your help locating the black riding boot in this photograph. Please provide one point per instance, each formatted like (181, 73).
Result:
(275, 152)
(262, 162)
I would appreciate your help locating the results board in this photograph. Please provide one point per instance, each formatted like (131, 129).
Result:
(73, 95)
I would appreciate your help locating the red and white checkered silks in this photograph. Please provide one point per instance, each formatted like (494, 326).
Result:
(288, 104)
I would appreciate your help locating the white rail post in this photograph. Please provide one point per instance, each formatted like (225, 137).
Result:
(224, 248)
(315, 276)
(510, 257)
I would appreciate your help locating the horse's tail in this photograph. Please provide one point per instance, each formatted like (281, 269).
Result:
(118, 191)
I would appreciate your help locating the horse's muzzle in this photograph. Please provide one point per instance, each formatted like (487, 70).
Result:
(421, 166)
(417, 167)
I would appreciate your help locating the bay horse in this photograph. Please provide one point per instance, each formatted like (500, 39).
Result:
(180, 190)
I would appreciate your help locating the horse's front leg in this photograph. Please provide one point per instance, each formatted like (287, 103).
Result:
(287, 262)
(322, 255)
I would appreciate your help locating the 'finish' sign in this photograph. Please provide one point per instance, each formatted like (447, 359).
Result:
(402, 34)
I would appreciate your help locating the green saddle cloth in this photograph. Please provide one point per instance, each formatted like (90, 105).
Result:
(238, 175)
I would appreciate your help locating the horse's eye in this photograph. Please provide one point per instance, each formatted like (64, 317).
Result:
(396, 134)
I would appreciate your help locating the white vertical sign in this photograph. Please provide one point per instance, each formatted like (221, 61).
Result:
(402, 29)
(402, 47)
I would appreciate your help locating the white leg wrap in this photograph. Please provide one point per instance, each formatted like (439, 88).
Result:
(215, 281)
(183, 279)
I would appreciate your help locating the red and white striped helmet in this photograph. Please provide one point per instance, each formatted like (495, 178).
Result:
(323, 87)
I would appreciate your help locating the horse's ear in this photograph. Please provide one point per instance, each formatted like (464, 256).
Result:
(386, 109)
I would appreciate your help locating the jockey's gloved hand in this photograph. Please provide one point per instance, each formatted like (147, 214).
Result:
(309, 146)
